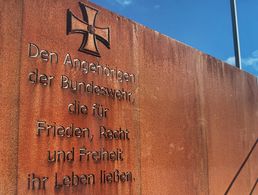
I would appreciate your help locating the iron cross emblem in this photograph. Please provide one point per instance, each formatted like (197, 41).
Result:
(91, 33)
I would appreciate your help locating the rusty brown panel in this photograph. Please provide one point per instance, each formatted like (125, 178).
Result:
(48, 31)
(208, 107)
(10, 36)
(173, 141)
(230, 113)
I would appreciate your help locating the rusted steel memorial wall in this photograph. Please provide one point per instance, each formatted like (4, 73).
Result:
(93, 103)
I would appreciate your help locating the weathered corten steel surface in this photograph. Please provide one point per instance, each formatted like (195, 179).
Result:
(45, 103)
(193, 121)
(10, 44)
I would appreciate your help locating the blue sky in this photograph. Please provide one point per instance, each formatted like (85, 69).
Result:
(203, 24)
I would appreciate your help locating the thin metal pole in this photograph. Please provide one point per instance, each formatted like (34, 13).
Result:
(235, 33)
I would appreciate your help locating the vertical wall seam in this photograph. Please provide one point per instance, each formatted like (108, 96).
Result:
(201, 123)
(19, 94)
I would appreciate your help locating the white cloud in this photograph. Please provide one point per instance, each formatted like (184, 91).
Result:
(231, 60)
(252, 60)
(124, 2)
(255, 53)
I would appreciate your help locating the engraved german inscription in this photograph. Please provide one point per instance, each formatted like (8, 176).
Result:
(88, 135)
